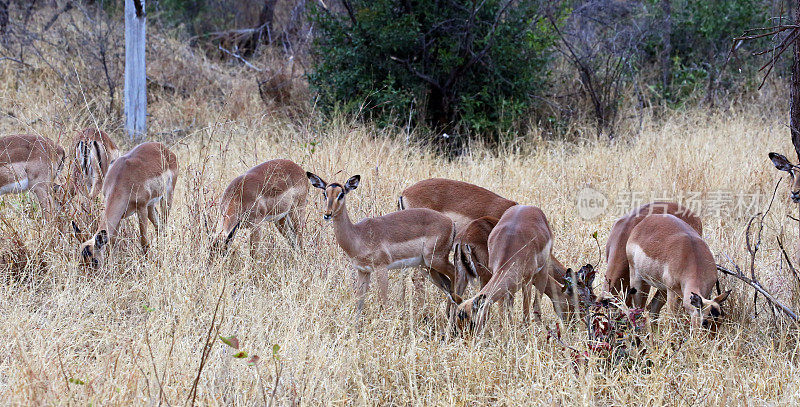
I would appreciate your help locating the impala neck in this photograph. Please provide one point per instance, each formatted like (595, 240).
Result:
(344, 230)
(112, 216)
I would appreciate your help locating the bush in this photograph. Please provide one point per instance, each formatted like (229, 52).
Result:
(701, 34)
(446, 65)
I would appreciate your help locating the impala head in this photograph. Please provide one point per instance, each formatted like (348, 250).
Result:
(219, 246)
(91, 252)
(472, 314)
(333, 194)
(782, 163)
(708, 313)
(466, 269)
(579, 285)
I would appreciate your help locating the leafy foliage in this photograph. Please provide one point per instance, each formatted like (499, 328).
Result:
(701, 34)
(453, 66)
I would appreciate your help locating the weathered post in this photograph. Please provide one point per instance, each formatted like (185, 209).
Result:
(794, 105)
(135, 73)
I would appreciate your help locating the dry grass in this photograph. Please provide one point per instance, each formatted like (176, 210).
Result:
(133, 333)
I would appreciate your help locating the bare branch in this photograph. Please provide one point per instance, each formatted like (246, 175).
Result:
(760, 290)
(239, 57)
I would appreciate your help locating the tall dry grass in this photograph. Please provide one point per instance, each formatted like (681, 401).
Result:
(134, 332)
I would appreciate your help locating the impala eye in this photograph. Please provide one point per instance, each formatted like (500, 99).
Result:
(341, 195)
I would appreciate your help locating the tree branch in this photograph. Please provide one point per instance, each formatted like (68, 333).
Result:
(760, 290)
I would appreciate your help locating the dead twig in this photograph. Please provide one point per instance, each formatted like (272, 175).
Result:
(211, 337)
(788, 261)
(760, 290)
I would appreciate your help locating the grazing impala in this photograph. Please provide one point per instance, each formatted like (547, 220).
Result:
(135, 183)
(519, 257)
(409, 238)
(460, 201)
(94, 153)
(618, 273)
(463, 203)
(273, 191)
(30, 162)
(471, 259)
(667, 253)
(471, 253)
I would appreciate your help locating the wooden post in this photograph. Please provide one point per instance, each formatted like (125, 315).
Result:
(135, 72)
(794, 104)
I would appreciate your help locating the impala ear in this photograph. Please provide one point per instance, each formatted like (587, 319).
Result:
(570, 280)
(352, 183)
(722, 297)
(316, 181)
(781, 162)
(454, 298)
(232, 233)
(697, 301)
(588, 274)
(477, 304)
(101, 239)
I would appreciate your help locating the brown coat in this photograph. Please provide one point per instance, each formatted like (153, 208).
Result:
(618, 272)
(519, 257)
(460, 201)
(667, 253)
(273, 191)
(94, 153)
(30, 162)
(138, 180)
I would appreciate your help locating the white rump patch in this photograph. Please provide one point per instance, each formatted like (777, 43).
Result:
(647, 268)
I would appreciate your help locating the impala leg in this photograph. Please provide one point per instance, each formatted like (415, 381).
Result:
(166, 204)
(287, 226)
(141, 214)
(361, 288)
(152, 215)
(383, 285)
(45, 200)
(658, 302)
(297, 217)
(641, 292)
(537, 310)
(256, 235)
(418, 286)
(526, 303)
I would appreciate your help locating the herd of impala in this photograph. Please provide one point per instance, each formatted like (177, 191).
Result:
(499, 245)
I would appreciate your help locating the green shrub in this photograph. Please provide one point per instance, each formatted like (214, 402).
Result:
(702, 33)
(444, 65)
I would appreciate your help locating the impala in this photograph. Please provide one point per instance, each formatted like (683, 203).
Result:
(618, 275)
(409, 238)
(667, 253)
(94, 153)
(471, 259)
(519, 257)
(137, 181)
(471, 253)
(273, 191)
(460, 201)
(782, 163)
(31, 163)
